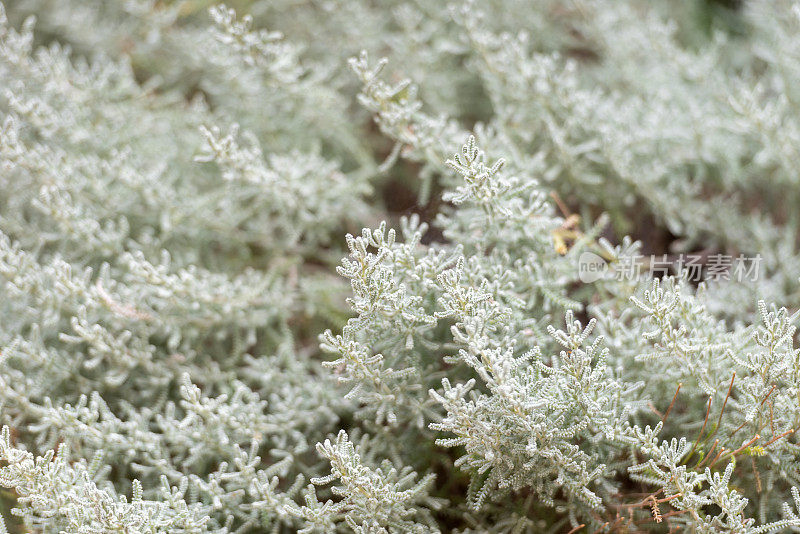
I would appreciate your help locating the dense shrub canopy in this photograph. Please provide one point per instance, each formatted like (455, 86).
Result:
(572, 306)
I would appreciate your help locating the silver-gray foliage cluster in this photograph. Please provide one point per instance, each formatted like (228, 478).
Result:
(183, 348)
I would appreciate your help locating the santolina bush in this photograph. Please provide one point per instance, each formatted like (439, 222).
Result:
(572, 306)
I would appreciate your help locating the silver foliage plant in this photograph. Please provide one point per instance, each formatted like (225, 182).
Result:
(182, 350)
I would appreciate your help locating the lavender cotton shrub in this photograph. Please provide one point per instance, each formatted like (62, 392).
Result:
(572, 307)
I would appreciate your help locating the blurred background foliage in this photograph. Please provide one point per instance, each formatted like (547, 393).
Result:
(400, 31)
